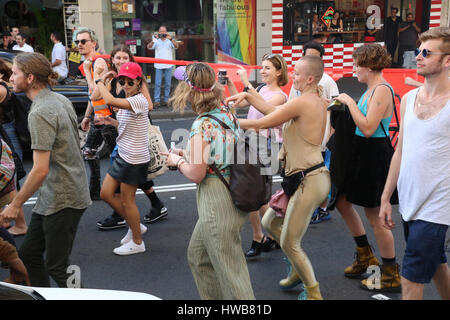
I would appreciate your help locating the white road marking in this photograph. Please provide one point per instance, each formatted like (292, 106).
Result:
(162, 189)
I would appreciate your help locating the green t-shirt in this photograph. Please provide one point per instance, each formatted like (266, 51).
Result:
(53, 127)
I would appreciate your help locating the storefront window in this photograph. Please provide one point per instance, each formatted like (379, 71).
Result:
(337, 21)
(190, 22)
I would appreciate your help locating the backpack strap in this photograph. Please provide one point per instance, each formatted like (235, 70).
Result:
(260, 87)
(213, 166)
(222, 124)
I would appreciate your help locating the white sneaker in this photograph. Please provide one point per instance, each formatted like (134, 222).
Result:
(129, 234)
(130, 248)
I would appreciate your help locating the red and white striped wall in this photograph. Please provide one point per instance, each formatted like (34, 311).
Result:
(336, 55)
(435, 13)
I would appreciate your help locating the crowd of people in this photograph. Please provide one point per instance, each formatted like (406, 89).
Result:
(329, 158)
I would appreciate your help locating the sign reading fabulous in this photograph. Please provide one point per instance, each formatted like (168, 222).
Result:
(236, 31)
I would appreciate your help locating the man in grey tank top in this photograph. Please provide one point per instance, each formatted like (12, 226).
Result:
(419, 169)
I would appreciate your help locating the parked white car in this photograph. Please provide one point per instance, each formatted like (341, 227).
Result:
(15, 292)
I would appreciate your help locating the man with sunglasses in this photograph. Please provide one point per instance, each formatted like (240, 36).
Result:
(86, 41)
(407, 37)
(419, 168)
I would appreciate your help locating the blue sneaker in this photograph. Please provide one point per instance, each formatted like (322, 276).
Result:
(292, 280)
(320, 215)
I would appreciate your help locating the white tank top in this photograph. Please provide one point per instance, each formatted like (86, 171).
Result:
(424, 180)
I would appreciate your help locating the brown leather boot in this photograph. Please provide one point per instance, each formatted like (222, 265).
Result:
(364, 259)
(389, 282)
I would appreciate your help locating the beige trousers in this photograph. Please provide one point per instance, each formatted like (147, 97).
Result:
(289, 230)
(215, 253)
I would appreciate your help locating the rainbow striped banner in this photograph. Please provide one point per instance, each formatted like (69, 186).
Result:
(236, 31)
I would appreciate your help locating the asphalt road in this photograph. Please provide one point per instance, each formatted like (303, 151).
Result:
(163, 270)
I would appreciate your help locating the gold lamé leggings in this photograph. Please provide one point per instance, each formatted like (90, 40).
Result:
(289, 230)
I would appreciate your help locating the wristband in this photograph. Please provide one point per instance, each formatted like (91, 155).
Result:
(98, 80)
(248, 87)
(178, 162)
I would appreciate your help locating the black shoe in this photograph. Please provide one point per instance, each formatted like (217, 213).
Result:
(256, 248)
(112, 222)
(269, 244)
(155, 214)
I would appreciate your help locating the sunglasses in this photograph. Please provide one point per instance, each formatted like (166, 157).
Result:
(269, 56)
(426, 52)
(123, 81)
(83, 41)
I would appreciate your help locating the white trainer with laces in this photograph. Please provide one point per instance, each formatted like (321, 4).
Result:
(130, 248)
(129, 234)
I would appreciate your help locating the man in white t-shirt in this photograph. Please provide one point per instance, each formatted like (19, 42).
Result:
(330, 89)
(21, 44)
(59, 56)
(163, 44)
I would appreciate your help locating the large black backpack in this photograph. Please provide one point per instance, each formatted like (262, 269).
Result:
(249, 188)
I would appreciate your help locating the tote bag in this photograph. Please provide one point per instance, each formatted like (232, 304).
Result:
(157, 165)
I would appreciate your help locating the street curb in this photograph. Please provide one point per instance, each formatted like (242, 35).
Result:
(169, 114)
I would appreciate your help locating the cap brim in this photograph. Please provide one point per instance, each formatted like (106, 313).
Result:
(129, 75)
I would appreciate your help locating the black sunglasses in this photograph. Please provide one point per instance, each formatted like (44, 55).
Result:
(123, 81)
(83, 41)
(426, 52)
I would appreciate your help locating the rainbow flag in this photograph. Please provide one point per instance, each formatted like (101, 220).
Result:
(236, 24)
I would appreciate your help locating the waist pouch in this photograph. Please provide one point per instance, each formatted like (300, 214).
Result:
(291, 183)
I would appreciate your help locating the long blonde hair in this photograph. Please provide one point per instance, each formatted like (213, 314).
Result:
(199, 88)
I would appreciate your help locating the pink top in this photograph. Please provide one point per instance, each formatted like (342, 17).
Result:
(254, 114)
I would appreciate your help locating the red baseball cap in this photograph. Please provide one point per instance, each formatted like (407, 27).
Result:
(131, 70)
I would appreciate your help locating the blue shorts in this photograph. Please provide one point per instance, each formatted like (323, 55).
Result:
(425, 242)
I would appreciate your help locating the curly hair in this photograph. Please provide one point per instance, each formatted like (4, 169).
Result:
(198, 78)
(5, 71)
(372, 56)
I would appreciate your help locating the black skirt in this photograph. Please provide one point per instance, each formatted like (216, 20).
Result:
(368, 170)
(133, 174)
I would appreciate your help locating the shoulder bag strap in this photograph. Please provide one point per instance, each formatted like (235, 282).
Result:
(393, 106)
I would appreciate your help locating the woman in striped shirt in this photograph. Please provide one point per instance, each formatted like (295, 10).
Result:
(129, 168)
